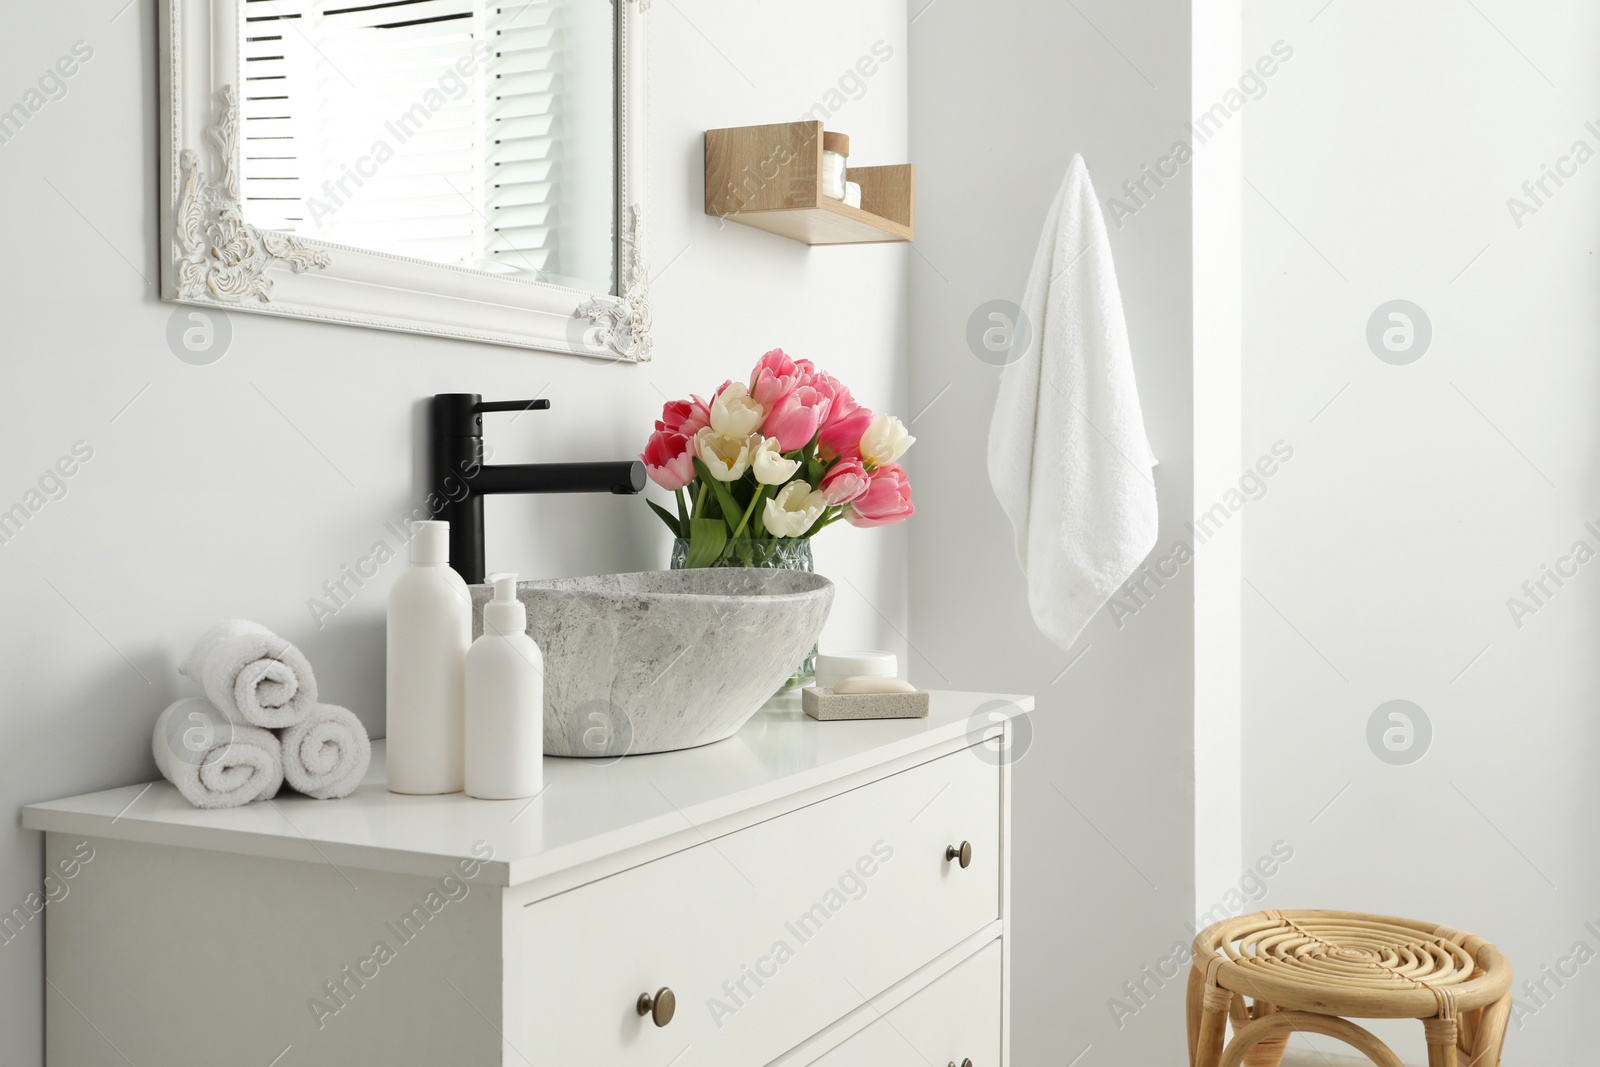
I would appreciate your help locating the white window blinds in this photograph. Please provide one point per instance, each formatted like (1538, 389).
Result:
(427, 128)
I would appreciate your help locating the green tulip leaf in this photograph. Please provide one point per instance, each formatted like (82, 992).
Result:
(725, 500)
(667, 517)
(706, 540)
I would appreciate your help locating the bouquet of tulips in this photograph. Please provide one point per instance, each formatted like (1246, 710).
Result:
(788, 455)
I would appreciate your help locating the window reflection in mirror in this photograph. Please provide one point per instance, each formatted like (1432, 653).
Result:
(468, 132)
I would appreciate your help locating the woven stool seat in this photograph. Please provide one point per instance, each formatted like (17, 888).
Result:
(1306, 970)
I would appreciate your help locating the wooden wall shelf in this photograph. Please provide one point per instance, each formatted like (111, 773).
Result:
(770, 177)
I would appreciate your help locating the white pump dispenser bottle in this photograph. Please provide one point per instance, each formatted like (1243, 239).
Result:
(505, 701)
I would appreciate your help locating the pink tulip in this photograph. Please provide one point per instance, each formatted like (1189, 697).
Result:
(886, 501)
(794, 419)
(842, 437)
(776, 376)
(844, 482)
(669, 459)
(846, 421)
(684, 416)
(841, 402)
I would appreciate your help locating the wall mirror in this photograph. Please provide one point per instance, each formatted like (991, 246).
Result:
(463, 168)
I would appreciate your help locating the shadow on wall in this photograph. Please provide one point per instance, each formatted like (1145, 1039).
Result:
(357, 645)
(109, 717)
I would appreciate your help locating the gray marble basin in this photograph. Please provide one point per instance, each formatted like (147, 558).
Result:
(663, 660)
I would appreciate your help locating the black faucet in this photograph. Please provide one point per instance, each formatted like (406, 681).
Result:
(461, 478)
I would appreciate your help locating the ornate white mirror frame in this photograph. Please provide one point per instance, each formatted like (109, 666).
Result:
(212, 257)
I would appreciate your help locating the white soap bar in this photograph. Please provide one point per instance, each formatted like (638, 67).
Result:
(834, 667)
(873, 684)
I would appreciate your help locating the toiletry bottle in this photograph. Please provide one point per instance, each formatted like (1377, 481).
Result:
(430, 629)
(835, 163)
(505, 701)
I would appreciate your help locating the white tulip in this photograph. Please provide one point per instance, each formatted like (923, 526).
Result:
(794, 510)
(734, 413)
(769, 465)
(727, 458)
(885, 441)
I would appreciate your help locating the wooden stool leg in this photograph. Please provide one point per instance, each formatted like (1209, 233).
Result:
(1214, 1005)
(1468, 1034)
(1267, 1052)
(1441, 1033)
(1193, 1009)
(1281, 1024)
(1490, 1033)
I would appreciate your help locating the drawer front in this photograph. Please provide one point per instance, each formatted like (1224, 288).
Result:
(765, 935)
(956, 1018)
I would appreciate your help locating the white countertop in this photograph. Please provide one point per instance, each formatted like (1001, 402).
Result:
(589, 809)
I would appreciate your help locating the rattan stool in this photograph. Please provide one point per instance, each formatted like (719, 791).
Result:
(1305, 970)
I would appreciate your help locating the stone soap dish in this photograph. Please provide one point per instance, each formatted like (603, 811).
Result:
(825, 704)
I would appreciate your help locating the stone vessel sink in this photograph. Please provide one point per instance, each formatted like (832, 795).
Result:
(662, 660)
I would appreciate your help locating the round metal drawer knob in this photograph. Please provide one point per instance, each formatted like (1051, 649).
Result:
(963, 852)
(659, 1007)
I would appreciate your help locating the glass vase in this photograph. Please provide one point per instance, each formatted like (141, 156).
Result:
(779, 554)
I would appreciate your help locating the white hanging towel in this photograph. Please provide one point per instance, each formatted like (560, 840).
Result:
(1068, 454)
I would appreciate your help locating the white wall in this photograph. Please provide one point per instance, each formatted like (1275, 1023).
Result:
(1422, 496)
(1004, 92)
(237, 489)
(1218, 456)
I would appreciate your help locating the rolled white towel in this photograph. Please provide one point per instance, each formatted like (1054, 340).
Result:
(254, 676)
(215, 763)
(326, 756)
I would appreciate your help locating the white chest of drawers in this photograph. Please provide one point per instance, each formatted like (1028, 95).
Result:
(799, 889)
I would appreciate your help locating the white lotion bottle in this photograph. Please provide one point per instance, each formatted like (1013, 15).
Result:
(429, 632)
(505, 701)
